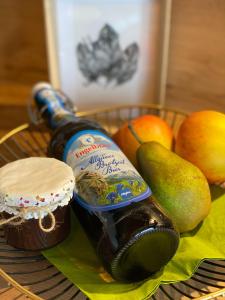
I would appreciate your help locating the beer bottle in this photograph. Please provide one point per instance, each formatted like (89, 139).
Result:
(131, 234)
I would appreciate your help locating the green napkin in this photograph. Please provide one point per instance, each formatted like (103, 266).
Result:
(75, 258)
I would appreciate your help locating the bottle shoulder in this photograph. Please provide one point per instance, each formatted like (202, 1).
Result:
(66, 130)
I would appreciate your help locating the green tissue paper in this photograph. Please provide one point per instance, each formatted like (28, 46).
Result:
(76, 258)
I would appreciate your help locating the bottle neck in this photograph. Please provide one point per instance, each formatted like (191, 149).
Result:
(52, 106)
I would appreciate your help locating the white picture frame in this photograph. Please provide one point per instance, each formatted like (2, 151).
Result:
(78, 25)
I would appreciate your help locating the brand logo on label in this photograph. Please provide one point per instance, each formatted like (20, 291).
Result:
(87, 139)
(86, 151)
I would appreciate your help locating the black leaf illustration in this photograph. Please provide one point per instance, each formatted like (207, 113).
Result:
(105, 58)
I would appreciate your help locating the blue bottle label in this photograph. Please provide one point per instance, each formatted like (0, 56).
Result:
(105, 178)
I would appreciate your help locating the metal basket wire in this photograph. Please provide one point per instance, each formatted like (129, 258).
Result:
(29, 275)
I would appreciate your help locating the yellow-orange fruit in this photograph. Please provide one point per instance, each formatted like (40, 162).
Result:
(201, 140)
(147, 128)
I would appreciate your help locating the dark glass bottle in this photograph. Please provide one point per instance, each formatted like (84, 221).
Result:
(132, 236)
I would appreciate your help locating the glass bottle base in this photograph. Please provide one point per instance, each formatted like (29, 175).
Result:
(145, 254)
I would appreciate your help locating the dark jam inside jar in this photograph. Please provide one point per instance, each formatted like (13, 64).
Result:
(29, 236)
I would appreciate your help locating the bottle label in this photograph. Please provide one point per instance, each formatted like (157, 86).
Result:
(54, 104)
(105, 178)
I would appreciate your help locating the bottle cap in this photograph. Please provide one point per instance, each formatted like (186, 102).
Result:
(39, 86)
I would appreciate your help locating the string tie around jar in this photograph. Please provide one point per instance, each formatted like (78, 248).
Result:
(20, 217)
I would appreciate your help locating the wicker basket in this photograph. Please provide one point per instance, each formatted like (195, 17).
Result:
(29, 275)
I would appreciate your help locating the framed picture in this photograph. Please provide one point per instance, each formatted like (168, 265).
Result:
(104, 53)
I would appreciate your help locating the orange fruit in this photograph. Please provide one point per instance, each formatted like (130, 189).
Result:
(201, 140)
(147, 128)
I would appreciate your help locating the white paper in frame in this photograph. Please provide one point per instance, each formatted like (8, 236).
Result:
(103, 53)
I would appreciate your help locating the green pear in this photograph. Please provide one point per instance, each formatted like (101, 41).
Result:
(179, 187)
